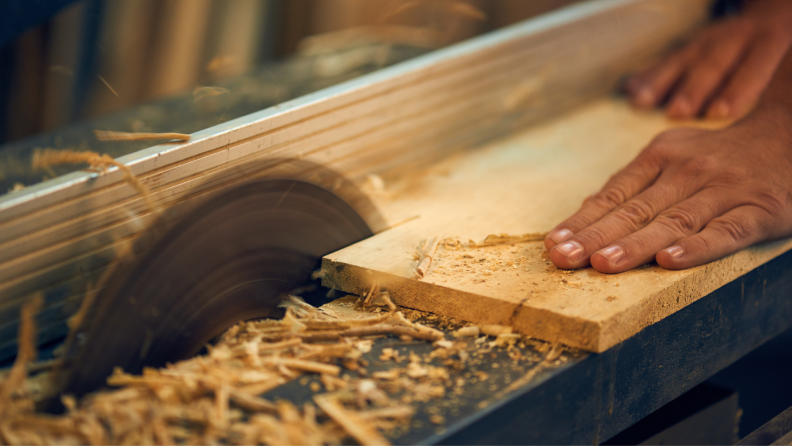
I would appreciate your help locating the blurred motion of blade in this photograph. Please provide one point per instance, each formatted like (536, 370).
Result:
(339, 52)
(232, 258)
(331, 42)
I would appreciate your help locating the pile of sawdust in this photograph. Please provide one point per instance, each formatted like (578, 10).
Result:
(216, 399)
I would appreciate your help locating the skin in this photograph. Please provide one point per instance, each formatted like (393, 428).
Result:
(721, 72)
(692, 196)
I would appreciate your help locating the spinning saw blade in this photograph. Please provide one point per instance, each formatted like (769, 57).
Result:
(232, 258)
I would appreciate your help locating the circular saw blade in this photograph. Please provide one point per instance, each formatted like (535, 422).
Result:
(230, 259)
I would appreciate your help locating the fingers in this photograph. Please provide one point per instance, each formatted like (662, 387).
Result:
(625, 226)
(751, 78)
(633, 179)
(675, 223)
(649, 88)
(735, 230)
(705, 75)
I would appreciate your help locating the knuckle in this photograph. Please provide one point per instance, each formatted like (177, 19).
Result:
(705, 245)
(658, 147)
(593, 238)
(773, 200)
(732, 175)
(637, 212)
(737, 229)
(655, 154)
(698, 165)
(610, 198)
(680, 221)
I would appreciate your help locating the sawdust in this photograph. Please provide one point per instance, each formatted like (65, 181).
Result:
(13, 396)
(506, 239)
(204, 92)
(519, 261)
(43, 159)
(107, 135)
(478, 263)
(217, 398)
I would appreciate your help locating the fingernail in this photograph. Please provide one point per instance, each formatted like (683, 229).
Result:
(719, 109)
(613, 253)
(644, 97)
(571, 250)
(676, 252)
(560, 235)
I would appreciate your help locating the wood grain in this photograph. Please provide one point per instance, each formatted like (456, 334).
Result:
(527, 184)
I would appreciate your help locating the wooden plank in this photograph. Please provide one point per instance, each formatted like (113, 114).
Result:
(402, 116)
(527, 184)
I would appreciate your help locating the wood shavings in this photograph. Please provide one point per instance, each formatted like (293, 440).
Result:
(107, 84)
(495, 330)
(356, 426)
(26, 345)
(426, 332)
(313, 324)
(398, 412)
(202, 400)
(307, 366)
(467, 332)
(299, 307)
(506, 239)
(384, 299)
(108, 135)
(388, 375)
(389, 329)
(505, 340)
(332, 383)
(426, 258)
(217, 399)
(375, 288)
(205, 92)
(251, 402)
(554, 353)
(390, 354)
(43, 159)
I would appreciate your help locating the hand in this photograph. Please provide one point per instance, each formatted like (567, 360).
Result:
(690, 197)
(724, 69)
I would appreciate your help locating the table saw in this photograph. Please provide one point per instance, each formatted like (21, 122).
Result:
(456, 144)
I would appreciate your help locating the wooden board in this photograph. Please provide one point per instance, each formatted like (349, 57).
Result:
(527, 184)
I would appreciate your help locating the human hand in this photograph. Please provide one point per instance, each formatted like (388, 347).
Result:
(690, 197)
(724, 69)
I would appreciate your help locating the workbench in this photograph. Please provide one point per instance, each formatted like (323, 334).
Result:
(587, 398)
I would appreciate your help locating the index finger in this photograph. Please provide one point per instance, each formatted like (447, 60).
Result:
(627, 183)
